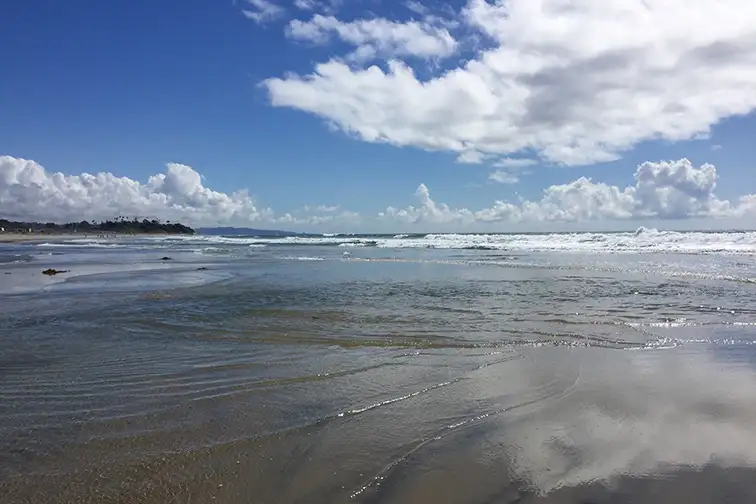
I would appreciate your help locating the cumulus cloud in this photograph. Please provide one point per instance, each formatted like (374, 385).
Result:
(332, 216)
(29, 192)
(428, 212)
(746, 205)
(576, 83)
(662, 190)
(377, 37)
(263, 11)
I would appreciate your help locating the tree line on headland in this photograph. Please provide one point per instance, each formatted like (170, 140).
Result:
(120, 225)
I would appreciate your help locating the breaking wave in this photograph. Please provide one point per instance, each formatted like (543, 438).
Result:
(80, 244)
(641, 241)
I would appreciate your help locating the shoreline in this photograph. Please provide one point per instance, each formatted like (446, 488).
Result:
(24, 237)
(30, 237)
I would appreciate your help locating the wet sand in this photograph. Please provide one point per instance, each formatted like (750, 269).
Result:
(527, 427)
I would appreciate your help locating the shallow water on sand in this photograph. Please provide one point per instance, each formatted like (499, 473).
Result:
(294, 373)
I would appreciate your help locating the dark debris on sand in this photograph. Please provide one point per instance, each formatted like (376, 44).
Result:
(51, 272)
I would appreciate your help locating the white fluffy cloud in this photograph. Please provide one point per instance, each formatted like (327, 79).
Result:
(28, 191)
(428, 212)
(377, 37)
(333, 217)
(663, 190)
(263, 11)
(575, 82)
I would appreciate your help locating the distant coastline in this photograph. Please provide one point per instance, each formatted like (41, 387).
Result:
(243, 231)
(20, 230)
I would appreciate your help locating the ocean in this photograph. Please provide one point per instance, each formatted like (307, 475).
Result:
(423, 368)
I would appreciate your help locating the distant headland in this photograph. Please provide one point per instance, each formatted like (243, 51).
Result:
(120, 225)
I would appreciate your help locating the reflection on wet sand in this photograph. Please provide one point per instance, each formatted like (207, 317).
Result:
(550, 425)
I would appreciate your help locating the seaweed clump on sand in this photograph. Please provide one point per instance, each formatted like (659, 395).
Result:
(51, 272)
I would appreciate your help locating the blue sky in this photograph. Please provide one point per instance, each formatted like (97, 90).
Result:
(123, 88)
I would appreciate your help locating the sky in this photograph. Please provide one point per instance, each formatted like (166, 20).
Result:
(381, 116)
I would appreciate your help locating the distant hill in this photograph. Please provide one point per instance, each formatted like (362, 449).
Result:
(234, 231)
(119, 225)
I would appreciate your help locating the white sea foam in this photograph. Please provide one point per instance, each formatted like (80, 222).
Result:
(81, 244)
(302, 258)
(87, 240)
(210, 250)
(642, 241)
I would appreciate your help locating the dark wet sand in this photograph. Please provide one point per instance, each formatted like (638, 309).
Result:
(218, 477)
(530, 426)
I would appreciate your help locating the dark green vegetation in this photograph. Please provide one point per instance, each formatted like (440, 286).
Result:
(118, 225)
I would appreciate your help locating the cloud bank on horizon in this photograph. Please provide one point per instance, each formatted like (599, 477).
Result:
(662, 190)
